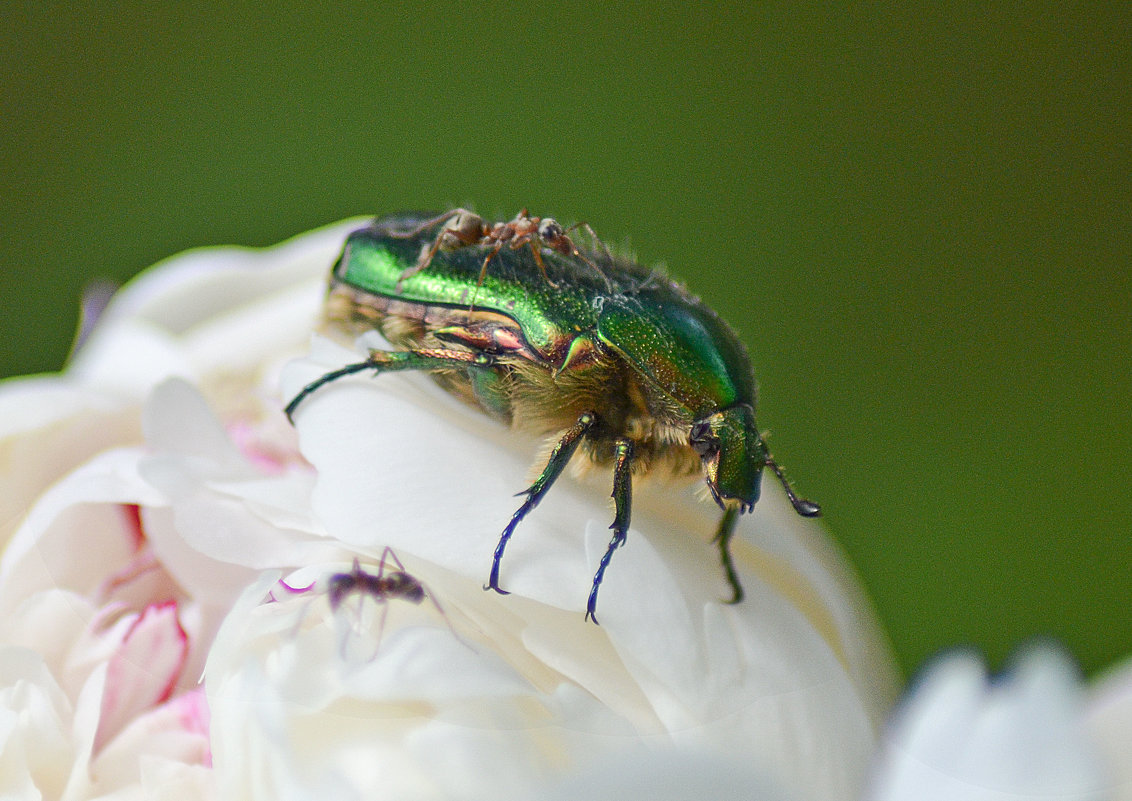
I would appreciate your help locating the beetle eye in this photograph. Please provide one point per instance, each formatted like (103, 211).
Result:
(701, 439)
(549, 229)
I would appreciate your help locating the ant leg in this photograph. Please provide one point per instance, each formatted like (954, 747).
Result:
(483, 274)
(422, 263)
(380, 629)
(465, 234)
(427, 224)
(574, 250)
(593, 237)
(483, 270)
(386, 556)
(530, 240)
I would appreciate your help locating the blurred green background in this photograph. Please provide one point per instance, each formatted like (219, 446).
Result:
(919, 218)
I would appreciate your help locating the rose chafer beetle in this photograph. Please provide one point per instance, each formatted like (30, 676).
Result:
(620, 362)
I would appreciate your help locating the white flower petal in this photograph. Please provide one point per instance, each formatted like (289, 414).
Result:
(164, 748)
(958, 737)
(52, 623)
(426, 715)
(84, 727)
(76, 534)
(177, 419)
(405, 468)
(36, 750)
(181, 317)
(674, 775)
(721, 678)
(227, 518)
(738, 706)
(126, 358)
(198, 286)
(70, 427)
(165, 779)
(1109, 721)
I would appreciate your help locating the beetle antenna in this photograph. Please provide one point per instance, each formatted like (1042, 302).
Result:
(801, 505)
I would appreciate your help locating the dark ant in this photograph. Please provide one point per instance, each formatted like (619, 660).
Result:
(464, 228)
(381, 587)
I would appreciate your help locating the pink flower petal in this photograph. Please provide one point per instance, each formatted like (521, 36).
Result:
(144, 669)
(134, 524)
(176, 730)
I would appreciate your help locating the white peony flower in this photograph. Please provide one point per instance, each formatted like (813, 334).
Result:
(499, 697)
(161, 520)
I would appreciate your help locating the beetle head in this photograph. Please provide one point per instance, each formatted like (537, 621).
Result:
(734, 455)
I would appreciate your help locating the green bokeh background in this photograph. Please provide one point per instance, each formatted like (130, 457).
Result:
(918, 217)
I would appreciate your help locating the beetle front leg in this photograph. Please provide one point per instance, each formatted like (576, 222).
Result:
(382, 361)
(623, 501)
(723, 538)
(558, 460)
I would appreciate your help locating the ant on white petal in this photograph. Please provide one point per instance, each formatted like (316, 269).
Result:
(380, 587)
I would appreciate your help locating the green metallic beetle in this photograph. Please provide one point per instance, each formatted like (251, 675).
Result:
(619, 361)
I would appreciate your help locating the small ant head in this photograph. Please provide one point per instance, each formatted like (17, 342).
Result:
(401, 585)
(342, 584)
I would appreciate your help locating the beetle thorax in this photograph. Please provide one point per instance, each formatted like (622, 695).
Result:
(546, 404)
